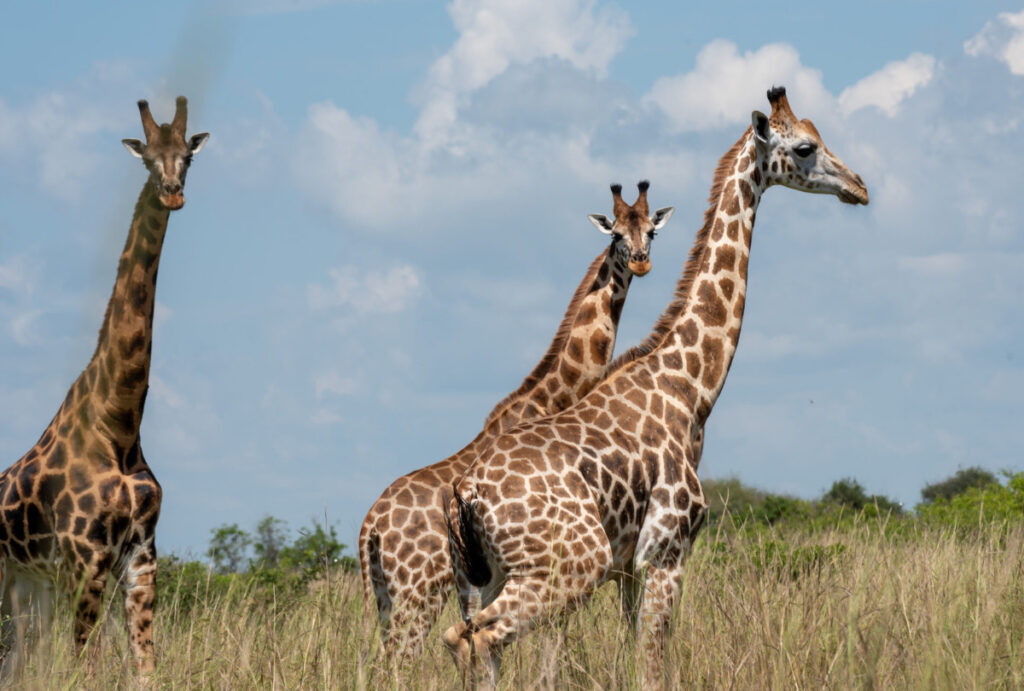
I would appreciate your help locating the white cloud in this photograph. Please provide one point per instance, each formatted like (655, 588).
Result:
(22, 328)
(887, 87)
(941, 266)
(1001, 38)
(52, 135)
(14, 275)
(495, 34)
(725, 86)
(332, 383)
(367, 291)
(325, 417)
(160, 391)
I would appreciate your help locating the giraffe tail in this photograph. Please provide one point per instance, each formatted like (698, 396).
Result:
(467, 550)
(374, 586)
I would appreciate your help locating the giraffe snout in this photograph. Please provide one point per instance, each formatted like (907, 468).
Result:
(639, 263)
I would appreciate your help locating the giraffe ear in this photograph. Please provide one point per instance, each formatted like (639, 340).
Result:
(196, 142)
(603, 223)
(661, 216)
(134, 146)
(762, 130)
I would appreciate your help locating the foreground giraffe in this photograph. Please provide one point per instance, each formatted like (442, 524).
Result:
(83, 503)
(403, 542)
(607, 489)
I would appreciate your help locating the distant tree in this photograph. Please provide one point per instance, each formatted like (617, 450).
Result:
(228, 548)
(314, 550)
(270, 538)
(847, 492)
(850, 493)
(958, 483)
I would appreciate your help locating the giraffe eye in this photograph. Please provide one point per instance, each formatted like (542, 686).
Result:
(805, 150)
(652, 233)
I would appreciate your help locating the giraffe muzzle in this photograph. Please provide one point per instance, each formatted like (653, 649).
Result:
(173, 201)
(640, 264)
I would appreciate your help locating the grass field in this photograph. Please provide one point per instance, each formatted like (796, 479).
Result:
(862, 606)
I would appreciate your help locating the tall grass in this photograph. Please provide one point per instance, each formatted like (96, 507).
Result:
(855, 607)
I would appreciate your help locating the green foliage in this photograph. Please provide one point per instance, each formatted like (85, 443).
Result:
(958, 483)
(268, 542)
(228, 548)
(189, 584)
(850, 494)
(978, 506)
(314, 551)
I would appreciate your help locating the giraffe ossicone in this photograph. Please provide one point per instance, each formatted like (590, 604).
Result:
(403, 552)
(83, 504)
(607, 489)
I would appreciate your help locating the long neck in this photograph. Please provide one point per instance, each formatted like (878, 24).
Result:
(581, 351)
(118, 375)
(700, 330)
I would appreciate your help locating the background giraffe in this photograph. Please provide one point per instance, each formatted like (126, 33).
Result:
(402, 543)
(83, 503)
(607, 489)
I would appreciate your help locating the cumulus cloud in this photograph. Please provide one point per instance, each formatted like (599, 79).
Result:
(14, 276)
(23, 328)
(725, 86)
(1001, 38)
(887, 87)
(495, 34)
(53, 135)
(367, 291)
(334, 384)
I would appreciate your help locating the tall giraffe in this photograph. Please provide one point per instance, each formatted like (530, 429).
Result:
(402, 544)
(607, 489)
(83, 503)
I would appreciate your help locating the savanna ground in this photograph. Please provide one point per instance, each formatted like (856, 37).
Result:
(778, 593)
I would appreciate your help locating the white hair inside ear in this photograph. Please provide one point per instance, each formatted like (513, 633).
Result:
(603, 223)
(135, 147)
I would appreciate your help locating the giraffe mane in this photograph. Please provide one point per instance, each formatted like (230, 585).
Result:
(557, 343)
(681, 297)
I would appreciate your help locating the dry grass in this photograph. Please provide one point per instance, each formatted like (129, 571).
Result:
(922, 612)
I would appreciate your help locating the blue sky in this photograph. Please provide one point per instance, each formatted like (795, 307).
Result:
(389, 218)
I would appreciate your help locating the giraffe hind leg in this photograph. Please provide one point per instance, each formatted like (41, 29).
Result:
(522, 605)
(411, 624)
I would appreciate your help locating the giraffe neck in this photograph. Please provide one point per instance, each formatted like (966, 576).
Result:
(117, 377)
(700, 330)
(581, 351)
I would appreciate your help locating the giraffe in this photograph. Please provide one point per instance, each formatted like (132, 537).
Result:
(607, 489)
(405, 563)
(83, 503)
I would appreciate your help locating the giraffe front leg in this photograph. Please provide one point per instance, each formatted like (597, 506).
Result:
(139, 588)
(629, 585)
(91, 582)
(661, 590)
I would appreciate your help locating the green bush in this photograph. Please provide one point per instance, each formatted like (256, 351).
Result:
(958, 483)
(977, 506)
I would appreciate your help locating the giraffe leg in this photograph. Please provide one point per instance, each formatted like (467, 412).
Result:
(139, 588)
(660, 595)
(630, 587)
(91, 582)
(523, 604)
(412, 619)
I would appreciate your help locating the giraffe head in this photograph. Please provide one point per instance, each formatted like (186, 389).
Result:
(791, 153)
(166, 153)
(632, 230)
